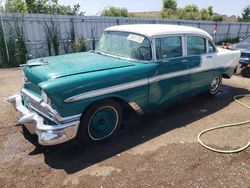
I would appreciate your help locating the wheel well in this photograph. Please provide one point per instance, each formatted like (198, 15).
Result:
(225, 76)
(124, 105)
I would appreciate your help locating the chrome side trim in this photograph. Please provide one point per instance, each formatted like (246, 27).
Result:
(168, 76)
(129, 85)
(70, 118)
(108, 90)
(136, 107)
(179, 73)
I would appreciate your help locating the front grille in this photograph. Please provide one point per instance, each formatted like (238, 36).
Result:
(33, 105)
(245, 55)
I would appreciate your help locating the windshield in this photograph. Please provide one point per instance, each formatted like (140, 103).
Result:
(247, 39)
(126, 45)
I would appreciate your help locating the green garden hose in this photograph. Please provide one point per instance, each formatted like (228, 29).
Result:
(236, 99)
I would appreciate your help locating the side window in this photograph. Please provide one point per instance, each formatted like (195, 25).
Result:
(196, 45)
(168, 47)
(211, 48)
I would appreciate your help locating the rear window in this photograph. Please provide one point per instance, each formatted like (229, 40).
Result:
(196, 45)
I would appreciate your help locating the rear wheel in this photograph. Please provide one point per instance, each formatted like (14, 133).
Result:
(101, 121)
(215, 85)
(245, 72)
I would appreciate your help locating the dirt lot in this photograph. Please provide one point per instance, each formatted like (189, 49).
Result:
(158, 150)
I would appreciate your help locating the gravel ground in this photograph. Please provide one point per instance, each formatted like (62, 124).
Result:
(156, 150)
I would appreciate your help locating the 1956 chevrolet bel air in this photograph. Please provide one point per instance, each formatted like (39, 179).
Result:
(138, 66)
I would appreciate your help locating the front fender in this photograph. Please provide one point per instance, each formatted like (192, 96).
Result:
(130, 86)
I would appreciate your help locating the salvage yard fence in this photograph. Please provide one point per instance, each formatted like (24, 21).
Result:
(32, 26)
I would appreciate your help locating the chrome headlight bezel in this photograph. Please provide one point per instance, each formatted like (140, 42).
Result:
(45, 98)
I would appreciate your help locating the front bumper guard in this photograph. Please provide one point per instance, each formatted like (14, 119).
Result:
(47, 134)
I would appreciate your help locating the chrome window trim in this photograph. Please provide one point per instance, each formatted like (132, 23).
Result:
(216, 50)
(168, 36)
(130, 59)
(194, 35)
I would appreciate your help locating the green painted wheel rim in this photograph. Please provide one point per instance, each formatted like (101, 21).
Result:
(103, 123)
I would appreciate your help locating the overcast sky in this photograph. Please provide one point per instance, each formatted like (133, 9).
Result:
(93, 7)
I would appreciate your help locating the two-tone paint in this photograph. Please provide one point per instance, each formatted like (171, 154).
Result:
(75, 81)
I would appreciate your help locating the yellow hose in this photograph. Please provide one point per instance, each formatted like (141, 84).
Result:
(236, 99)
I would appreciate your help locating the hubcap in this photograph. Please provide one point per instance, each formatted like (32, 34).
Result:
(103, 123)
(215, 84)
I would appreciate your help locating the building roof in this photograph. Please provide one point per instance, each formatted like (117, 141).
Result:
(158, 29)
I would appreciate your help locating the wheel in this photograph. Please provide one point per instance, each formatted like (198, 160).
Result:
(100, 122)
(215, 85)
(246, 72)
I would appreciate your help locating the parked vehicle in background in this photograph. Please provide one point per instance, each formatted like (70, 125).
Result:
(142, 67)
(244, 47)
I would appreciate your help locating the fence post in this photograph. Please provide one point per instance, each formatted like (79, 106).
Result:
(229, 27)
(248, 29)
(5, 41)
(239, 30)
(117, 22)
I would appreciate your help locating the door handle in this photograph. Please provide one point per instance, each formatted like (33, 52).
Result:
(184, 61)
(209, 57)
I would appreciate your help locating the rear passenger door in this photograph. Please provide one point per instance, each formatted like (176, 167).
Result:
(202, 68)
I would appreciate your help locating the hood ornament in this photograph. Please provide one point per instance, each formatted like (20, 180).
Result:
(40, 62)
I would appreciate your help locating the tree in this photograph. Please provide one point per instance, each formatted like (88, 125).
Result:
(170, 4)
(15, 6)
(204, 14)
(210, 11)
(217, 18)
(245, 15)
(41, 6)
(114, 11)
(189, 12)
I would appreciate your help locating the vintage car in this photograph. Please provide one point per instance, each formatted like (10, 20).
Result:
(244, 47)
(142, 67)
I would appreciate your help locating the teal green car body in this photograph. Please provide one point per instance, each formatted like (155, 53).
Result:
(59, 90)
(70, 75)
(73, 74)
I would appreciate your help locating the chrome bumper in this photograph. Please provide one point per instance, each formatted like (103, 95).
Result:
(47, 134)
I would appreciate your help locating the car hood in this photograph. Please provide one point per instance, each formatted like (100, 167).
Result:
(243, 46)
(38, 70)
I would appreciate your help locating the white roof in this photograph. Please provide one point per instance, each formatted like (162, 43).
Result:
(158, 29)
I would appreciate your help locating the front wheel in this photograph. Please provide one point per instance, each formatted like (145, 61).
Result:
(100, 122)
(245, 72)
(215, 85)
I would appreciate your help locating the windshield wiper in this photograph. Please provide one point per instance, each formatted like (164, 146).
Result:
(96, 52)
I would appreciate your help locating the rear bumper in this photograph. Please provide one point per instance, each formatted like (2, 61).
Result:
(47, 134)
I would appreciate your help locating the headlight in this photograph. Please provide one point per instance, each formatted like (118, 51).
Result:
(45, 98)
